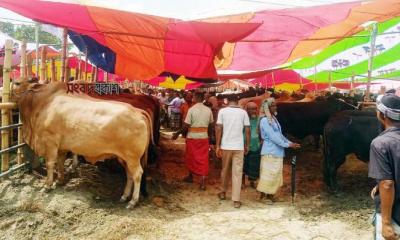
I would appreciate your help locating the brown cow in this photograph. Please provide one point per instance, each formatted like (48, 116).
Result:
(55, 123)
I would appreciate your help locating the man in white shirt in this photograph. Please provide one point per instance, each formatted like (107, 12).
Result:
(231, 146)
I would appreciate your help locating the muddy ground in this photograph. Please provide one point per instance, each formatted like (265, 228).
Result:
(88, 208)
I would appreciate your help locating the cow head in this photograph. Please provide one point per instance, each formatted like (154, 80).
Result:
(21, 86)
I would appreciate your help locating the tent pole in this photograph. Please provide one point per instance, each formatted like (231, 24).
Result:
(353, 76)
(371, 57)
(86, 64)
(78, 68)
(43, 67)
(330, 81)
(273, 80)
(37, 26)
(64, 56)
(315, 78)
(53, 70)
(23, 69)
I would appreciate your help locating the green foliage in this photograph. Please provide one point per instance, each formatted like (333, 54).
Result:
(27, 32)
(7, 28)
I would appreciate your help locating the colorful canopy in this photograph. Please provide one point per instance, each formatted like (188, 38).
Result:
(290, 34)
(350, 56)
(142, 46)
(171, 83)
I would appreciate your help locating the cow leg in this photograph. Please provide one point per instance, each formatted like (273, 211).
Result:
(143, 185)
(60, 169)
(316, 141)
(74, 165)
(51, 160)
(137, 177)
(128, 186)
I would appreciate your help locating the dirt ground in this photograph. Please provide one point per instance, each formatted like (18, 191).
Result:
(88, 208)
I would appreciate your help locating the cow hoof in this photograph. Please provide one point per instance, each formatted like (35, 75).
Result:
(47, 189)
(123, 199)
(131, 204)
(61, 183)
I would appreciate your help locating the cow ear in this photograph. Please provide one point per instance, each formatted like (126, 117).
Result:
(35, 86)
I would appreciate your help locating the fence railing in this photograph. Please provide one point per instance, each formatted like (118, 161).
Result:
(7, 123)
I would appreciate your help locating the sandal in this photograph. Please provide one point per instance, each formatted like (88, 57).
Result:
(237, 204)
(221, 196)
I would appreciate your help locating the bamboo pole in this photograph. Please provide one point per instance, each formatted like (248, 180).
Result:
(86, 64)
(105, 76)
(67, 71)
(353, 77)
(29, 66)
(43, 67)
(273, 80)
(96, 74)
(78, 68)
(92, 73)
(53, 70)
(330, 81)
(5, 120)
(64, 56)
(37, 26)
(370, 61)
(8, 105)
(20, 159)
(23, 60)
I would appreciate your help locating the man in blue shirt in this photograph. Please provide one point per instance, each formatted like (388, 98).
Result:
(272, 151)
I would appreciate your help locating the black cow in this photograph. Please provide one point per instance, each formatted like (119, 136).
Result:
(301, 119)
(347, 132)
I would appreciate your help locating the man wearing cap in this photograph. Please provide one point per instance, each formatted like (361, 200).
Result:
(384, 166)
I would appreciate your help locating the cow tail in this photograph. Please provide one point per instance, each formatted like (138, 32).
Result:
(145, 157)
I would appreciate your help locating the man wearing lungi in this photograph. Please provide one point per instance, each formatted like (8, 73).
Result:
(272, 151)
(175, 106)
(251, 166)
(197, 122)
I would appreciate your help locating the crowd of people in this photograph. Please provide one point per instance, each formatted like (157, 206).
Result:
(250, 143)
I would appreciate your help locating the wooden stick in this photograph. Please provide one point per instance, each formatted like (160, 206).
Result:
(53, 70)
(5, 120)
(64, 56)
(43, 67)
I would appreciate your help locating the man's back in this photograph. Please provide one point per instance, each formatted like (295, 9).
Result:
(233, 119)
(385, 164)
(199, 116)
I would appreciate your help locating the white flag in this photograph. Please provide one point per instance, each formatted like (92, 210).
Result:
(55, 31)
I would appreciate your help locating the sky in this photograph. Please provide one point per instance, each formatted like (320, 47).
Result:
(189, 9)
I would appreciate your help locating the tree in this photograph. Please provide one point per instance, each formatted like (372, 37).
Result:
(28, 33)
(7, 28)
